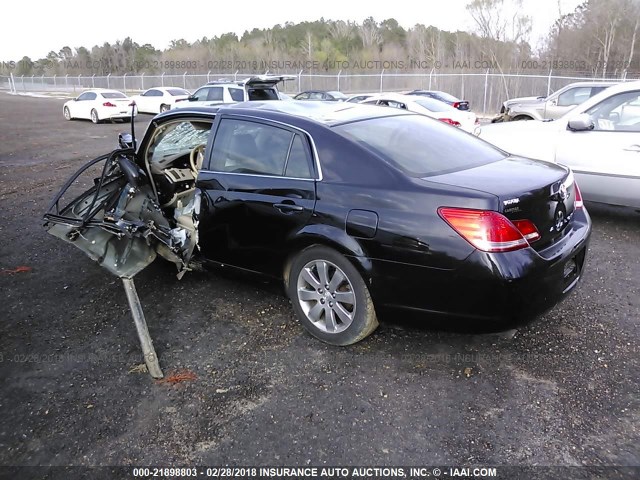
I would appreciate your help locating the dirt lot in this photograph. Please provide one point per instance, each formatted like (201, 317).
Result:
(561, 391)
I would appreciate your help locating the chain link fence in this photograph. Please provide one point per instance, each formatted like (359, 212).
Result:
(485, 91)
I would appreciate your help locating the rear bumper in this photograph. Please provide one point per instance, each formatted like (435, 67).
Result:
(505, 288)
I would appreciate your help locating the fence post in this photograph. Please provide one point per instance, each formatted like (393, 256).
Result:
(93, 81)
(108, 75)
(142, 81)
(300, 80)
(79, 80)
(486, 86)
(33, 81)
(124, 83)
(66, 79)
(208, 74)
(12, 83)
(549, 83)
(184, 80)
(430, 74)
(381, 77)
(338, 78)
(162, 79)
(54, 81)
(235, 76)
(42, 80)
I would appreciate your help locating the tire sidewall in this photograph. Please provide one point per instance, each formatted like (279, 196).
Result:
(66, 113)
(97, 119)
(365, 320)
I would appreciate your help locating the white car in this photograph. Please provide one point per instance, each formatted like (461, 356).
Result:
(159, 99)
(599, 139)
(99, 104)
(260, 87)
(430, 107)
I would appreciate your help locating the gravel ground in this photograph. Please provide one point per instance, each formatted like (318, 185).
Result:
(260, 391)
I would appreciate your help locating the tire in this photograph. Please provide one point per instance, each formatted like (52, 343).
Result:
(164, 108)
(342, 314)
(94, 116)
(66, 113)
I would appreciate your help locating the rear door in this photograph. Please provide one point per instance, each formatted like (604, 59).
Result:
(258, 191)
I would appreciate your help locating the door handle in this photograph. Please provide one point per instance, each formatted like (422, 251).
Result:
(632, 148)
(288, 208)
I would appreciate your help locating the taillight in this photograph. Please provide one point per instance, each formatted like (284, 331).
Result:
(487, 230)
(527, 229)
(456, 104)
(450, 122)
(108, 104)
(578, 201)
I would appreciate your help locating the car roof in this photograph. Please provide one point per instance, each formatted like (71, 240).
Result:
(324, 113)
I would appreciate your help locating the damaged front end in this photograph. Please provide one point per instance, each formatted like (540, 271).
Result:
(119, 222)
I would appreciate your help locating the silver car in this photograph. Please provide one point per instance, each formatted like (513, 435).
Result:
(599, 140)
(555, 105)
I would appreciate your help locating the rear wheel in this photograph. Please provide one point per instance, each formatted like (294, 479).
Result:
(330, 297)
(164, 108)
(66, 113)
(94, 116)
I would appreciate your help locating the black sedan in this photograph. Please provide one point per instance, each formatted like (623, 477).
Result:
(355, 208)
(443, 97)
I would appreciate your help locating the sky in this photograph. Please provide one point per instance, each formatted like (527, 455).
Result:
(77, 23)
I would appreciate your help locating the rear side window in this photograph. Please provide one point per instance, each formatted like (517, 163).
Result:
(248, 147)
(420, 146)
(237, 94)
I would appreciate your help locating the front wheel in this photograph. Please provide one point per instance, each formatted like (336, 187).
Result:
(330, 297)
(94, 116)
(66, 113)
(164, 108)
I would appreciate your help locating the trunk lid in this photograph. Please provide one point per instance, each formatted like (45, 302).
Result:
(541, 192)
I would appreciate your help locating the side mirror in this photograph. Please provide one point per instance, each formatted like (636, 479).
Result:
(553, 102)
(192, 98)
(580, 123)
(125, 140)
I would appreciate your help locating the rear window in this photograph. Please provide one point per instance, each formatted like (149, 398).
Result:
(420, 146)
(433, 105)
(177, 91)
(113, 95)
(447, 97)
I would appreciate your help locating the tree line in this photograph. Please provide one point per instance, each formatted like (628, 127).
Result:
(598, 39)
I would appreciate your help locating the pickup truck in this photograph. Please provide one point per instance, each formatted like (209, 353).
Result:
(551, 107)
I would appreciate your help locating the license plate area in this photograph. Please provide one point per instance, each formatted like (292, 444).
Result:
(571, 270)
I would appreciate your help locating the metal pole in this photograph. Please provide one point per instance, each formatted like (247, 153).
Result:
(108, 75)
(54, 81)
(142, 81)
(12, 81)
(300, 80)
(208, 74)
(150, 357)
(486, 86)
(162, 79)
(381, 77)
(184, 80)
(339, 79)
(235, 76)
(430, 74)
(549, 83)
(124, 83)
(93, 81)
